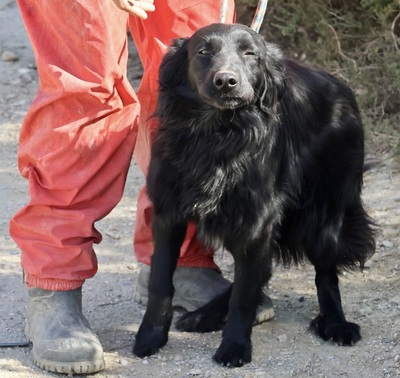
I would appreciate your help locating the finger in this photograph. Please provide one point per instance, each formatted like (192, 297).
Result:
(139, 8)
(146, 5)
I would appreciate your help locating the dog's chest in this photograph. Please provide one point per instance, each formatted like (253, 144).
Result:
(221, 193)
(219, 172)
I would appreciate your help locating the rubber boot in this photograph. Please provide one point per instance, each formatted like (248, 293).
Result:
(62, 339)
(194, 287)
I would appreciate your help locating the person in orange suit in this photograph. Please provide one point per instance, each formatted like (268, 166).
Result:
(75, 149)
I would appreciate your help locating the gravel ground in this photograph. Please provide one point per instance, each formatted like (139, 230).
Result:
(282, 347)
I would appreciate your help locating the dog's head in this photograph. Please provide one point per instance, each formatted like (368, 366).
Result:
(227, 66)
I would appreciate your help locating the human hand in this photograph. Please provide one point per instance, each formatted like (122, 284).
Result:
(137, 8)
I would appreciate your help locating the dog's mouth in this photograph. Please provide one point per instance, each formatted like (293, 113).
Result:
(226, 102)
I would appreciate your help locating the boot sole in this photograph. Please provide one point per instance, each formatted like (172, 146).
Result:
(264, 315)
(81, 367)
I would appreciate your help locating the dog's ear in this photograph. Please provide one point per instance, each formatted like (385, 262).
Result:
(173, 68)
(274, 79)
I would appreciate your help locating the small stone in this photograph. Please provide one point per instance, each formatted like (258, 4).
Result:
(195, 372)
(9, 56)
(123, 362)
(390, 232)
(26, 75)
(387, 244)
(282, 338)
(395, 300)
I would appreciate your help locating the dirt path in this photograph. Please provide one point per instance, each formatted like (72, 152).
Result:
(282, 348)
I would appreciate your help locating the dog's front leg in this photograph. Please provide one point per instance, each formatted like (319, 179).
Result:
(250, 274)
(153, 332)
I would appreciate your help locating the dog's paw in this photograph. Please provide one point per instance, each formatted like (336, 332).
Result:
(233, 354)
(340, 332)
(149, 340)
(201, 322)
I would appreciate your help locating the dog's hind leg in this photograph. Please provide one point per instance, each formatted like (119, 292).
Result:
(353, 243)
(153, 332)
(331, 323)
(208, 318)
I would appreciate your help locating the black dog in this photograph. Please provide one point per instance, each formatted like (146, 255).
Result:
(266, 157)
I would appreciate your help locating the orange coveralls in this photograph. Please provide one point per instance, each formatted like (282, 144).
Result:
(86, 121)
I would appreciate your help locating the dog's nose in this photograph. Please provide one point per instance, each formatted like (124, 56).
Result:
(225, 80)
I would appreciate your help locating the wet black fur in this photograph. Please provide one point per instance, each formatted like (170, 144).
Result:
(269, 165)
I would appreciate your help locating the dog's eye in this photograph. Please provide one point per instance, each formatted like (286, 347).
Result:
(204, 52)
(249, 53)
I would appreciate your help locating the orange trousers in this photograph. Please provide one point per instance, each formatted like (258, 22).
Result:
(84, 124)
